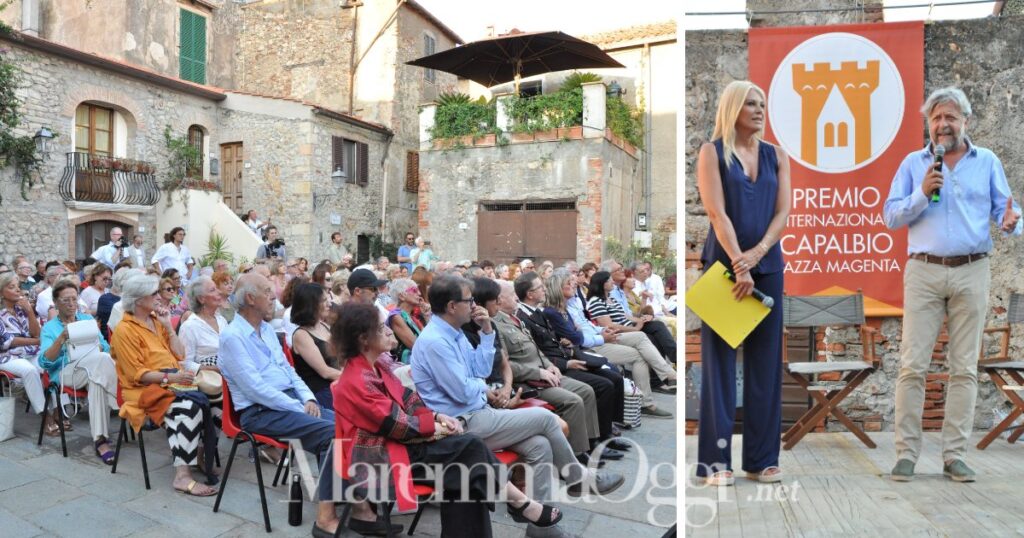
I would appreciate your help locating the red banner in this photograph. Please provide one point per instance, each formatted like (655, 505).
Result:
(844, 102)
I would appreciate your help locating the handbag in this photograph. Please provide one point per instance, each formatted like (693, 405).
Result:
(83, 339)
(633, 400)
(7, 404)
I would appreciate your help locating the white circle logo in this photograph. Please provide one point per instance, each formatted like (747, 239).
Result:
(836, 102)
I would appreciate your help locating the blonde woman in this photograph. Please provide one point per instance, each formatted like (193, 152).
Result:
(744, 186)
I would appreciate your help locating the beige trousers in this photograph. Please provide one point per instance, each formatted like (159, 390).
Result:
(635, 352)
(932, 292)
(97, 374)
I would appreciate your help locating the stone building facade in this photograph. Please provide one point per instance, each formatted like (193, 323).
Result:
(351, 59)
(551, 195)
(983, 57)
(287, 164)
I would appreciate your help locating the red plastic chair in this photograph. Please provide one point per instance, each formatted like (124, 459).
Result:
(233, 430)
(54, 388)
(288, 353)
(535, 402)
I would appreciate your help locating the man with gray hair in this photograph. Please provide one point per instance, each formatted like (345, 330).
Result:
(112, 253)
(270, 397)
(947, 273)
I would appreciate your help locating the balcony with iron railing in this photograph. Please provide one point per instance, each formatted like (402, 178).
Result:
(93, 181)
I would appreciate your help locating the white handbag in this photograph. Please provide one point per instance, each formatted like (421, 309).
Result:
(83, 339)
(7, 404)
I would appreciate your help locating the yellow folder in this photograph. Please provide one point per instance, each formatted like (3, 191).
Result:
(711, 299)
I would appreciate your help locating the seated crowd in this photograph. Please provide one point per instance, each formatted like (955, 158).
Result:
(420, 361)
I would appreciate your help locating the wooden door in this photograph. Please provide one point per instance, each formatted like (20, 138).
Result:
(233, 158)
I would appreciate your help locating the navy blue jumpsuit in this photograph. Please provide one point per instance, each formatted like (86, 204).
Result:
(750, 205)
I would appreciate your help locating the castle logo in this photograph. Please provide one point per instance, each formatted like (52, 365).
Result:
(836, 117)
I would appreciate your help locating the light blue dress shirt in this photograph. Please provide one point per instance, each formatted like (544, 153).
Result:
(973, 193)
(449, 374)
(256, 369)
(591, 336)
(620, 297)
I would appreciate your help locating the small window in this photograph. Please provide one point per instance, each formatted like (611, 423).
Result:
(350, 158)
(412, 171)
(195, 139)
(429, 47)
(530, 89)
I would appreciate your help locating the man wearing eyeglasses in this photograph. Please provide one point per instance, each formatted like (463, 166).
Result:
(112, 253)
(450, 375)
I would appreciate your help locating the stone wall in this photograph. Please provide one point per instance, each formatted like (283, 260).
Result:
(139, 32)
(603, 179)
(42, 230)
(981, 56)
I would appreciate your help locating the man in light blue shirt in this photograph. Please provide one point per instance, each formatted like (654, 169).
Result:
(449, 376)
(947, 208)
(268, 395)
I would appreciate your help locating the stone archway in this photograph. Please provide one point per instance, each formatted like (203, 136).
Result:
(127, 224)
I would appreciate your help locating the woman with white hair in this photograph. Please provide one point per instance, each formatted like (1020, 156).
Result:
(405, 294)
(94, 370)
(157, 387)
(117, 310)
(200, 333)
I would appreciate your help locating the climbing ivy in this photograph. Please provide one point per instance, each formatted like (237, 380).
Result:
(16, 151)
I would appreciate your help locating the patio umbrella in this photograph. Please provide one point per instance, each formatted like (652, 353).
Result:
(500, 59)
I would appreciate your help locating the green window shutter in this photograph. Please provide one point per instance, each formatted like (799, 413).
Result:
(192, 58)
(185, 41)
(199, 48)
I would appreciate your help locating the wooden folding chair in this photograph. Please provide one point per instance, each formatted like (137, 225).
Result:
(1006, 374)
(819, 311)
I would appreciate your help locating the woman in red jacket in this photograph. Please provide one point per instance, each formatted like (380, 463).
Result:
(386, 428)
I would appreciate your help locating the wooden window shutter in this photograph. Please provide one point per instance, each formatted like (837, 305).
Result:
(337, 153)
(185, 54)
(192, 42)
(199, 48)
(412, 171)
(361, 162)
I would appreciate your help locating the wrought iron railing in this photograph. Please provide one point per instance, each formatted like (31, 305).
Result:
(96, 178)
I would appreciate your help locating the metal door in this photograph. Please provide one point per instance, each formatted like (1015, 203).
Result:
(511, 231)
(233, 158)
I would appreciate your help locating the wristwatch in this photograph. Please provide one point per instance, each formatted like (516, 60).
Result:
(165, 381)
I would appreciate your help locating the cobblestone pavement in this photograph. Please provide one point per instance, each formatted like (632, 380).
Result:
(43, 494)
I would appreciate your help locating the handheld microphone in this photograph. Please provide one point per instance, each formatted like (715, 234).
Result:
(757, 294)
(940, 151)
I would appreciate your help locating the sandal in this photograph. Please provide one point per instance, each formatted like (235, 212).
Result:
(546, 518)
(767, 475)
(52, 429)
(108, 455)
(721, 478)
(190, 490)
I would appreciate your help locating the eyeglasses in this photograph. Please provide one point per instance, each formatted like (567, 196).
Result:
(168, 289)
(68, 300)
(537, 288)
(469, 300)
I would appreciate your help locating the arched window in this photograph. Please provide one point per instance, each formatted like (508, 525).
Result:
(195, 139)
(94, 130)
(830, 135)
(844, 138)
